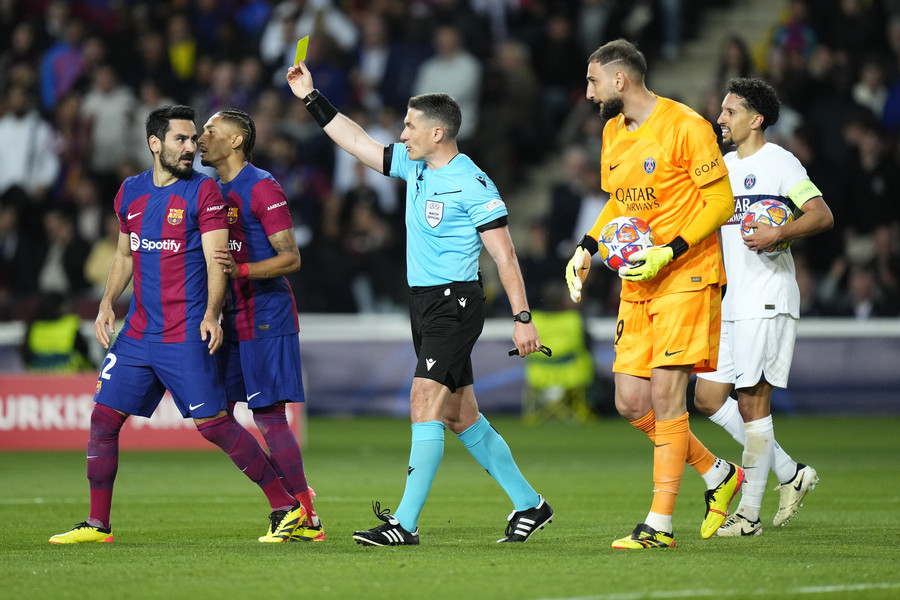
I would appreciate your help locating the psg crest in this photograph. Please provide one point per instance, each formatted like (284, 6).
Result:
(175, 216)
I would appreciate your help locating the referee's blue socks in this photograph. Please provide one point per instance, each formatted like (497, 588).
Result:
(491, 451)
(424, 458)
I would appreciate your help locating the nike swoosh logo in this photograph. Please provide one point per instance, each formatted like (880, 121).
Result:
(131, 216)
(445, 193)
(799, 484)
(661, 445)
(93, 457)
(614, 167)
(673, 353)
(252, 396)
(192, 407)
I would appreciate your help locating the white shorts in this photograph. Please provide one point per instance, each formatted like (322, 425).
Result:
(751, 350)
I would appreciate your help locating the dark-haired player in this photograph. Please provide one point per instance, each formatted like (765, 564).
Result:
(260, 357)
(762, 303)
(170, 220)
(452, 210)
(661, 163)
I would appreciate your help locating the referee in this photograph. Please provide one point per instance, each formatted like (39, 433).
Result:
(452, 209)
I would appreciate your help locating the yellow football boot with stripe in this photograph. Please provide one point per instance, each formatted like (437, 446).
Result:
(719, 499)
(283, 523)
(309, 533)
(644, 537)
(83, 532)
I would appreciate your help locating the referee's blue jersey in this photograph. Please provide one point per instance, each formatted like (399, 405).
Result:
(443, 208)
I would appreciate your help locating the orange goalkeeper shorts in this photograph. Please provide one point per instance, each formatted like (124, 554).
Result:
(671, 330)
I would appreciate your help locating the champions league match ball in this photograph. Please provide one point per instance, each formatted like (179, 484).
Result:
(622, 237)
(770, 212)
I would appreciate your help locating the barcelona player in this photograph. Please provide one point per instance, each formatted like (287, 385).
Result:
(170, 220)
(260, 357)
(661, 163)
(761, 309)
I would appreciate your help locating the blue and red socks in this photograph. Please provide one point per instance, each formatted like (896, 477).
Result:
(284, 450)
(245, 452)
(103, 461)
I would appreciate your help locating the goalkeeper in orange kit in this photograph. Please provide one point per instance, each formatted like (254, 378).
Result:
(660, 162)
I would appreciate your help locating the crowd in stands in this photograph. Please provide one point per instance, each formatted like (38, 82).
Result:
(78, 78)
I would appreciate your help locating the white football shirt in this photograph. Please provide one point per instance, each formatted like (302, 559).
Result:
(760, 286)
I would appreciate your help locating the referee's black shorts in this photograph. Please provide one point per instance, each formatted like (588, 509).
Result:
(446, 321)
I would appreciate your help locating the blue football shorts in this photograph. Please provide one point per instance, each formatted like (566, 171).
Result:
(136, 373)
(262, 371)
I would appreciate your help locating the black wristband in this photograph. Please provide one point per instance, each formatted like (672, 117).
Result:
(589, 244)
(678, 246)
(320, 108)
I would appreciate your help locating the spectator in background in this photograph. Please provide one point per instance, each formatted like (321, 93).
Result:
(852, 30)
(28, 151)
(510, 98)
(153, 64)
(293, 19)
(885, 265)
(565, 200)
(454, 71)
(873, 185)
(63, 63)
(62, 267)
(347, 174)
(96, 265)
(408, 52)
(108, 108)
(820, 251)
(863, 299)
(734, 61)
(461, 16)
(810, 304)
(53, 340)
(18, 252)
(181, 46)
(540, 266)
(559, 64)
(796, 34)
(150, 97)
(22, 56)
(369, 246)
(250, 81)
(73, 143)
(870, 90)
(370, 61)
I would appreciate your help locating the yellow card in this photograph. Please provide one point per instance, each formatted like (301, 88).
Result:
(301, 50)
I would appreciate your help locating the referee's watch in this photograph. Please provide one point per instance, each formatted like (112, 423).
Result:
(523, 317)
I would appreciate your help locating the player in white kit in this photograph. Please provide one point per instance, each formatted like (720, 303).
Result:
(761, 305)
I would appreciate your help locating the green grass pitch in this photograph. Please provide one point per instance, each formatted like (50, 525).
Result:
(186, 523)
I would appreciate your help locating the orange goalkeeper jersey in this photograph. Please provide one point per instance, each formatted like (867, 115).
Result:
(655, 173)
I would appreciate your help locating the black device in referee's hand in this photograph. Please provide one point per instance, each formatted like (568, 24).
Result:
(545, 349)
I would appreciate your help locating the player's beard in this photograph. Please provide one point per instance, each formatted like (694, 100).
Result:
(170, 162)
(611, 108)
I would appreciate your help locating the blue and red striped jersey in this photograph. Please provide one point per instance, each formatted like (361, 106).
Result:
(164, 225)
(257, 208)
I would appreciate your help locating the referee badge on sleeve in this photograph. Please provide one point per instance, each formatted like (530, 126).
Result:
(434, 212)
